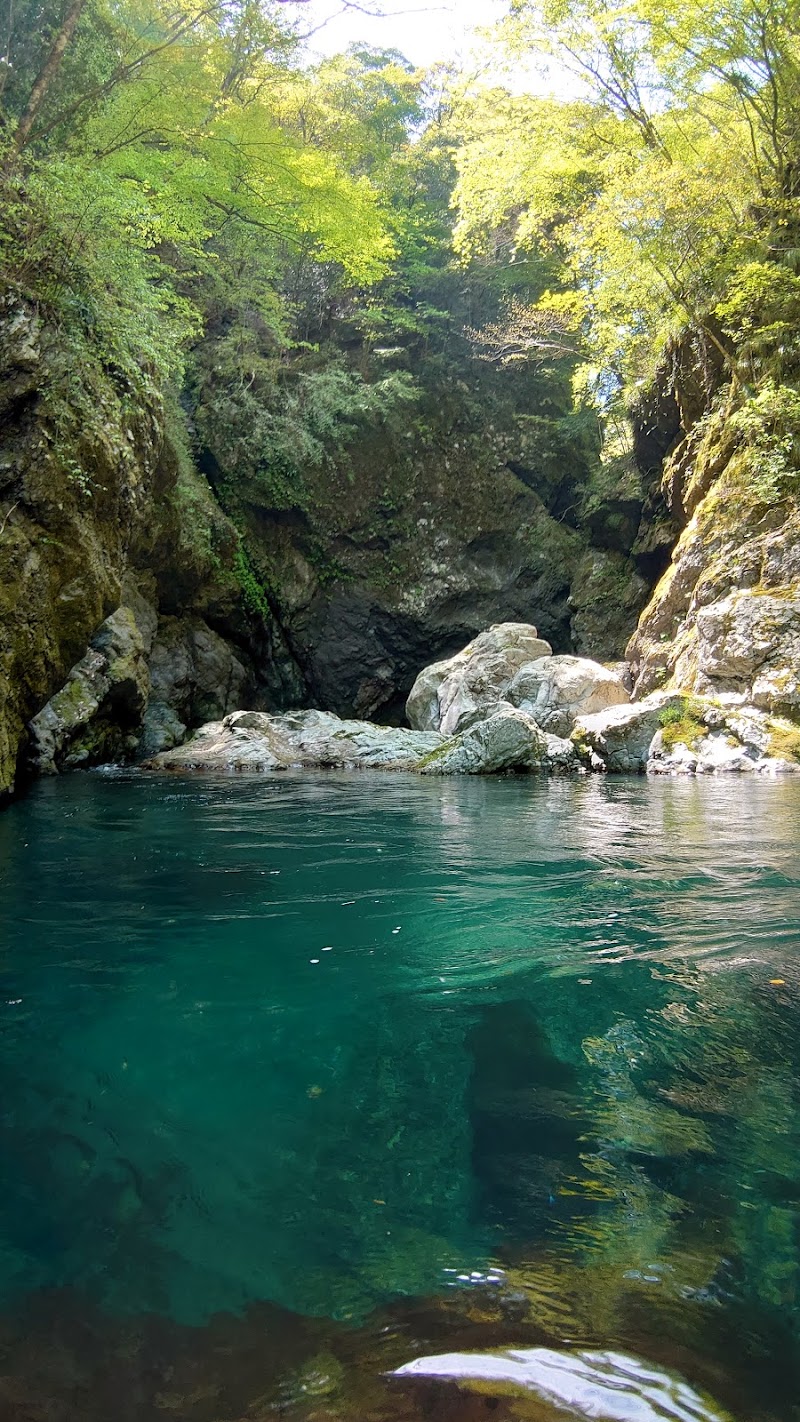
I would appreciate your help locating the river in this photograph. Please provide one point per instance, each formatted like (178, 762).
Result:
(305, 1077)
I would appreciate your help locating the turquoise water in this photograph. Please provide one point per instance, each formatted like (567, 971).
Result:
(342, 1067)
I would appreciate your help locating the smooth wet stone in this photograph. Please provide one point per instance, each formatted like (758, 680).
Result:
(603, 1386)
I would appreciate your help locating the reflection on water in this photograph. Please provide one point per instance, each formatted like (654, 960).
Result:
(306, 1078)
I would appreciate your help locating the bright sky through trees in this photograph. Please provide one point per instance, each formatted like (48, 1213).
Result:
(433, 33)
(425, 34)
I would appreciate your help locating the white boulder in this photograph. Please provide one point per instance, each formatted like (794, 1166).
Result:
(449, 695)
(557, 690)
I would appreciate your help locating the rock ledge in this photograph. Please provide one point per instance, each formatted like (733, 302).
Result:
(502, 705)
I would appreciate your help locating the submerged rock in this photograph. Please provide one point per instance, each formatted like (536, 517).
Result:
(450, 695)
(611, 1386)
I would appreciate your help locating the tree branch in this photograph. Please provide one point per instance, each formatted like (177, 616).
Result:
(48, 72)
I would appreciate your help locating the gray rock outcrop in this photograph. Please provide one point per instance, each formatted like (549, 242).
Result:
(619, 739)
(667, 734)
(511, 665)
(255, 741)
(97, 713)
(449, 695)
(506, 740)
(555, 691)
(195, 677)
(554, 726)
(749, 642)
(725, 616)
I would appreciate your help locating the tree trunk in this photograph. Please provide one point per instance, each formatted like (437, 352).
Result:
(48, 72)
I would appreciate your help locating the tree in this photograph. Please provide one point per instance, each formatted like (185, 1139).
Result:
(675, 168)
(48, 72)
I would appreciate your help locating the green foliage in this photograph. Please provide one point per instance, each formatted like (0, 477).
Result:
(149, 178)
(270, 428)
(760, 314)
(190, 207)
(253, 591)
(80, 245)
(768, 426)
(681, 725)
(665, 189)
(784, 743)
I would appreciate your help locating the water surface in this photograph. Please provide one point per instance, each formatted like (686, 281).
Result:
(304, 1077)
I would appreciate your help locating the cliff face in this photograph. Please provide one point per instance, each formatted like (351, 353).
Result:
(98, 513)
(725, 618)
(134, 606)
(66, 533)
(426, 531)
(141, 598)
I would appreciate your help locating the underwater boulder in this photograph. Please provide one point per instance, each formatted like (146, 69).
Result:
(603, 1386)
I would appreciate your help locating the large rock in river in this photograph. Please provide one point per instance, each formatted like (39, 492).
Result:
(255, 741)
(555, 691)
(448, 696)
(506, 740)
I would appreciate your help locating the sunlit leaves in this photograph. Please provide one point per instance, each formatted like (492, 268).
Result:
(672, 174)
(163, 168)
